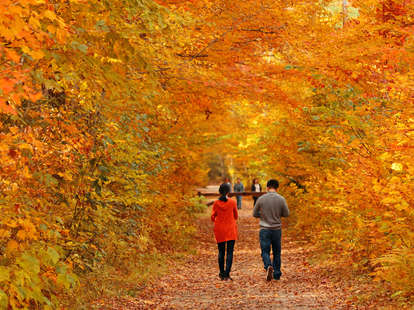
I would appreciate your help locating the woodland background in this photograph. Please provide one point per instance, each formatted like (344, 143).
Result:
(110, 112)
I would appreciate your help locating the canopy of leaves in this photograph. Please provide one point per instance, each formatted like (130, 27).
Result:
(109, 109)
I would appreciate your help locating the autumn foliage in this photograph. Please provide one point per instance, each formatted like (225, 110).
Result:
(94, 169)
(108, 107)
(335, 121)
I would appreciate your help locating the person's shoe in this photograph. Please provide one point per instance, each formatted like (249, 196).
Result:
(269, 273)
(227, 277)
(222, 276)
(276, 278)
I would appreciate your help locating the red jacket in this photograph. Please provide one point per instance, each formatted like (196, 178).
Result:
(224, 216)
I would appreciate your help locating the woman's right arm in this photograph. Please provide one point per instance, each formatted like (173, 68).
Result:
(235, 213)
(214, 213)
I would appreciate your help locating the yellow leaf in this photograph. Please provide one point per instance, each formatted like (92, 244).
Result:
(50, 14)
(395, 180)
(36, 54)
(28, 226)
(403, 205)
(26, 173)
(14, 130)
(51, 29)
(389, 200)
(6, 33)
(4, 147)
(61, 35)
(4, 274)
(66, 176)
(25, 146)
(397, 166)
(34, 21)
(5, 234)
(377, 188)
(11, 224)
(384, 156)
(21, 235)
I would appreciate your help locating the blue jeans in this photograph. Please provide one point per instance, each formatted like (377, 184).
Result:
(271, 238)
(239, 202)
(229, 259)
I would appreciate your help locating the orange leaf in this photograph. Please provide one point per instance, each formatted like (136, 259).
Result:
(6, 108)
(13, 55)
(12, 246)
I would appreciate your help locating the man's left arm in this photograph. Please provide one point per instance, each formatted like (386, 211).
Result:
(285, 209)
(256, 209)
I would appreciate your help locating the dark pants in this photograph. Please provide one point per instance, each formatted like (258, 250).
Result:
(239, 202)
(271, 238)
(221, 255)
(254, 200)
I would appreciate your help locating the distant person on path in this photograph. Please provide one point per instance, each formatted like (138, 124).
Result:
(224, 216)
(227, 181)
(256, 187)
(270, 208)
(239, 188)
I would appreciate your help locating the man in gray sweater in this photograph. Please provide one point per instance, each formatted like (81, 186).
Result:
(270, 208)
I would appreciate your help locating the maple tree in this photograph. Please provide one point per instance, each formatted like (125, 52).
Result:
(108, 109)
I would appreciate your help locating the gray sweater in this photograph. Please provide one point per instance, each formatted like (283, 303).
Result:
(270, 208)
(238, 188)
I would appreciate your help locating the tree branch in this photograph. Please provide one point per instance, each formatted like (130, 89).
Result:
(192, 56)
(260, 30)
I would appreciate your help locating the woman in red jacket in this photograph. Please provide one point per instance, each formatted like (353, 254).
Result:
(224, 216)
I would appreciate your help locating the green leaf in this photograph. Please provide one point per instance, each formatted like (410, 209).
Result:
(4, 300)
(67, 280)
(60, 269)
(29, 263)
(83, 48)
(50, 180)
(100, 25)
(22, 293)
(396, 294)
(53, 254)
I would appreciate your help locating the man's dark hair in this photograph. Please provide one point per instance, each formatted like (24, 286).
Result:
(272, 184)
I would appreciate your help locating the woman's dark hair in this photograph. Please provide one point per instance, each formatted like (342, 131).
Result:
(224, 190)
(273, 184)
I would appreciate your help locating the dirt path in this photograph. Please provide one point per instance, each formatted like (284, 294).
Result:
(196, 285)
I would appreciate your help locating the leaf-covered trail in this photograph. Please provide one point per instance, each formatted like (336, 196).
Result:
(196, 285)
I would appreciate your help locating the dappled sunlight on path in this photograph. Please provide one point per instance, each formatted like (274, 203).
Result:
(196, 285)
